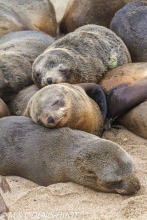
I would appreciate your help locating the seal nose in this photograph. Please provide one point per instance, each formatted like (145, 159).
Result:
(49, 80)
(50, 120)
(137, 187)
(38, 74)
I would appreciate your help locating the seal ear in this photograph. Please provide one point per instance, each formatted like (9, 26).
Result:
(91, 174)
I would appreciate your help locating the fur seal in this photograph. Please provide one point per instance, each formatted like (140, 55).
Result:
(4, 111)
(63, 105)
(18, 51)
(125, 87)
(79, 13)
(50, 156)
(32, 15)
(130, 24)
(84, 55)
(135, 120)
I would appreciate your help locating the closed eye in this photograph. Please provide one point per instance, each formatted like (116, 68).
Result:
(56, 102)
(63, 71)
(114, 184)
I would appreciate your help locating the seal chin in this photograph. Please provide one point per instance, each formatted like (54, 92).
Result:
(61, 123)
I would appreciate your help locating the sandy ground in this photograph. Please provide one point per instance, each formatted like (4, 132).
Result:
(27, 200)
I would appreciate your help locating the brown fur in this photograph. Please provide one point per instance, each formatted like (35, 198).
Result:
(19, 102)
(132, 80)
(62, 155)
(135, 120)
(130, 24)
(79, 13)
(35, 15)
(125, 74)
(84, 55)
(18, 51)
(68, 105)
(4, 111)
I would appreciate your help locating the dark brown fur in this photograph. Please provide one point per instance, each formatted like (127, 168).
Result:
(130, 24)
(62, 155)
(126, 88)
(82, 12)
(84, 55)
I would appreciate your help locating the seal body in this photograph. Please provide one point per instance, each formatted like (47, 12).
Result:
(83, 12)
(63, 105)
(50, 156)
(35, 15)
(126, 88)
(4, 111)
(84, 55)
(19, 102)
(130, 24)
(18, 50)
(135, 120)
(123, 75)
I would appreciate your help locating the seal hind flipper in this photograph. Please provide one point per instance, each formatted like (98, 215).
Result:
(122, 98)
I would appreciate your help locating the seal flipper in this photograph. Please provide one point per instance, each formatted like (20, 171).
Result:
(95, 92)
(124, 97)
(3, 207)
(5, 187)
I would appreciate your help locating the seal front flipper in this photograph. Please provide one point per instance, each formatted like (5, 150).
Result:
(95, 92)
(5, 187)
(124, 97)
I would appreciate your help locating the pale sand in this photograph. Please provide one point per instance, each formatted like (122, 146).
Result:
(27, 200)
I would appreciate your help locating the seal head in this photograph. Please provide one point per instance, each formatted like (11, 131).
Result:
(62, 105)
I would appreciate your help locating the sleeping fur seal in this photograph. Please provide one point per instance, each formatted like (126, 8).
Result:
(47, 156)
(35, 15)
(18, 50)
(84, 55)
(63, 105)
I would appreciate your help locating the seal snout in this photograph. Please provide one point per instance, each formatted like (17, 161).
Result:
(49, 80)
(138, 187)
(50, 120)
(38, 74)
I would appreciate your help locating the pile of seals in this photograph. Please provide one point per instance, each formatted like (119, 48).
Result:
(45, 155)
